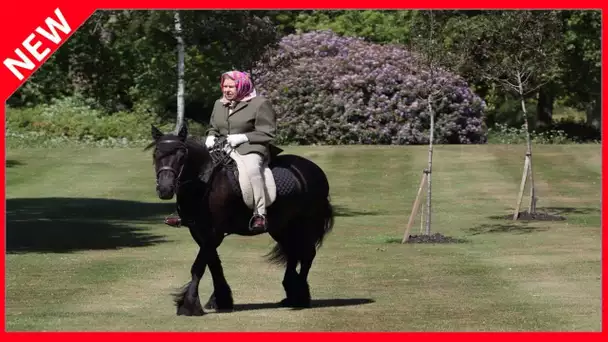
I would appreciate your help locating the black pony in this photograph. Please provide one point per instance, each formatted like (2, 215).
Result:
(210, 204)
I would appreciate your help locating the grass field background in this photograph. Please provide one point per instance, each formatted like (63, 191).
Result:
(87, 250)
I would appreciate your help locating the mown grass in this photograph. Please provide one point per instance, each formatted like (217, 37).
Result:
(87, 250)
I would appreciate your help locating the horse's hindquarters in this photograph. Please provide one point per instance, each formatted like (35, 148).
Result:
(298, 176)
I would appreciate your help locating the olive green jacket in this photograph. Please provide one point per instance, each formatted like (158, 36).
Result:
(255, 118)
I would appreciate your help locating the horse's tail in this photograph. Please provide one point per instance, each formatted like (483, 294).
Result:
(327, 214)
(278, 254)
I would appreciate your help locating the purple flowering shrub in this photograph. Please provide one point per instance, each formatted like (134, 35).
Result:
(328, 89)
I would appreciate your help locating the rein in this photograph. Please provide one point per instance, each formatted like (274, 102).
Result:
(219, 156)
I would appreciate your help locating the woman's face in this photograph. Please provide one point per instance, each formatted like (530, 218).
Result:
(229, 89)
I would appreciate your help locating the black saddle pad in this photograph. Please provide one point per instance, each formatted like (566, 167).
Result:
(287, 183)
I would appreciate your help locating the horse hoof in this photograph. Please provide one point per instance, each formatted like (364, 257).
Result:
(213, 305)
(183, 311)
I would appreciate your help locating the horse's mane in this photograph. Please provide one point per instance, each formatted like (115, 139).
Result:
(192, 143)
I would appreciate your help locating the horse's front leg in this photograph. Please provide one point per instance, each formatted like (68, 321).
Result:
(187, 301)
(221, 298)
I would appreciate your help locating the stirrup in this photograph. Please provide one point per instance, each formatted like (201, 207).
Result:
(255, 216)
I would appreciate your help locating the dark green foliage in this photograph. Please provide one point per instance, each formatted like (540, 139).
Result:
(120, 58)
(583, 62)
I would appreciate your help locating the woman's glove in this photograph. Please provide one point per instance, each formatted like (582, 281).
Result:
(210, 141)
(236, 139)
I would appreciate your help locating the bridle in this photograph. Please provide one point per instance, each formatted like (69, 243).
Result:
(176, 173)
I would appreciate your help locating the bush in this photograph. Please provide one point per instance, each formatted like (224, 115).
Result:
(504, 134)
(576, 130)
(506, 123)
(72, 121)
(329, 89)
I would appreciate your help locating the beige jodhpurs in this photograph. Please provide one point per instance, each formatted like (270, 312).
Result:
(253, 165)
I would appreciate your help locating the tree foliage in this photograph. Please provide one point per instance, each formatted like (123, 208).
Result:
(120, 58)
(521, 50)
(379, 26)
(583, 62)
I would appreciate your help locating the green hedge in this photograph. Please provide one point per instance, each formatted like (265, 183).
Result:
(72, 121)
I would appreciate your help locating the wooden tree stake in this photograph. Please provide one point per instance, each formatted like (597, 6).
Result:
(410, 222)
(522, 186)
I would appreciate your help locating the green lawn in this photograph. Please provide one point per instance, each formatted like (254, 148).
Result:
(87, 249)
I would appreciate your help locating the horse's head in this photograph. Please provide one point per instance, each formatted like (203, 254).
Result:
(170, 154)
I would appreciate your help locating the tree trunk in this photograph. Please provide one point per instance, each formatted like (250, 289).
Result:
(430, 166)
(544, 108)
(180, 72)
(594, 112)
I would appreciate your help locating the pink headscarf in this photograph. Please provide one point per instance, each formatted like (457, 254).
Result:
(244, 86)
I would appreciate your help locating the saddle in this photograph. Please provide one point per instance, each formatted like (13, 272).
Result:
(234, 163)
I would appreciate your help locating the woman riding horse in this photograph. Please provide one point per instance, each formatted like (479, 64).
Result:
(248, 122)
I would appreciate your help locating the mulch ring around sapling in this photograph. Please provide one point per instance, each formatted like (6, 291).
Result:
(433, 238)
(536, 216)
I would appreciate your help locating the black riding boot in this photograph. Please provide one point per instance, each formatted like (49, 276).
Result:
(173, 221)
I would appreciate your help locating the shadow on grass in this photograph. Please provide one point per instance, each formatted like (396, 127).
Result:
(63, 225)
(13, 163)
(316, 303)
(559, 211)
(505, 228)
(570, 210)
(341, 211)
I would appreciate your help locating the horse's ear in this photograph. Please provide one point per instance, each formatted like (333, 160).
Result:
(156, 133)
(183, 131)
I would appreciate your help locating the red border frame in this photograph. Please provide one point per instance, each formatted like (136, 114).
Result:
(18, 20)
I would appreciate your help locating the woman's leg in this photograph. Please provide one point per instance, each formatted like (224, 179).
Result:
(253, 165)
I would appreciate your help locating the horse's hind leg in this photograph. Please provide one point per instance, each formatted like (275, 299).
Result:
(306, 259)
(290, 282)
(296, 284)
(300, 250)
(307, 235)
